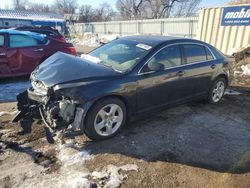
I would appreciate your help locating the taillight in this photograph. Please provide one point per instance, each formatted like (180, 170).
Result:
(72, 50)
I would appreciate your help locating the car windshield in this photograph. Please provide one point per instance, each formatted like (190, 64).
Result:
(121, 55)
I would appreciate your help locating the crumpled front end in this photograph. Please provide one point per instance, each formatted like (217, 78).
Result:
(56, 111)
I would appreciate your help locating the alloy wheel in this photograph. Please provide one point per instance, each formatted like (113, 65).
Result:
(218, 91)
(108, 119)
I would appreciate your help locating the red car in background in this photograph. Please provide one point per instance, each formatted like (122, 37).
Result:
(22, 51)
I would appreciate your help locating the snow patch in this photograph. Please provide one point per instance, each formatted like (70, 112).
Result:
(94, 40)
(231, 92)
(75, 175)
(112, 176)
(68, 155)
(72, 173)
(245, 71)
(8, 113)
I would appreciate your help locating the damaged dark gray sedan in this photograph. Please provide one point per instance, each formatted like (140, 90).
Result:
(98, 93)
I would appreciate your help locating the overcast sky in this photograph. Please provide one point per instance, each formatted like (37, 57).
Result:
(95, 3)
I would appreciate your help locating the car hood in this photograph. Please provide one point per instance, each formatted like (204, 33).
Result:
(63, 68)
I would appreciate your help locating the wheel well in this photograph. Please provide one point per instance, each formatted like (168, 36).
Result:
(122, 99)
(223, 76)
(114, 96)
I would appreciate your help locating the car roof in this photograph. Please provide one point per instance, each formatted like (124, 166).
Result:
(37, 36)
(155, 40)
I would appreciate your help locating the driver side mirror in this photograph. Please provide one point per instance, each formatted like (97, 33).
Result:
(154, 66)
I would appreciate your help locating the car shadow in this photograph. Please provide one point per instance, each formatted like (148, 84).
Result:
(38, 157)
(214, 137)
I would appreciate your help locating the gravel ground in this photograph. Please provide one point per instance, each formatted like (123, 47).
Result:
(193, 145)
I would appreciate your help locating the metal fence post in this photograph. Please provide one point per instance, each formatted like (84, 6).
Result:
(162, 27)
(105, 28)
(139, 30)
(120, 28)
(83, 26)
(191, 28)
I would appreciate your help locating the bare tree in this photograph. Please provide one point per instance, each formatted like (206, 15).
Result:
(146, 8)
(129, 9)
(65, 6)
(136, 8)
(167, 6)
(156, 8)
(153, 8)
(86, 13)
(186, 8)
(38, 7)
(19, 4)
(102, 13)
(123, 7)
(105, 12)
(236, 2)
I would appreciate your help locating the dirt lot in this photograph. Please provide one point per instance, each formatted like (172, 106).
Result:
(193, 145)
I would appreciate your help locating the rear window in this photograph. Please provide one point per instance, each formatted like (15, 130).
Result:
(194, 53)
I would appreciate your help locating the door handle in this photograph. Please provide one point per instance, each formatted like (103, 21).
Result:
(180, 73)
(2, 54)
(39, 50)
(213, 66)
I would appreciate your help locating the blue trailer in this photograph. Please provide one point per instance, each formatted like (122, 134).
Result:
(17, 18)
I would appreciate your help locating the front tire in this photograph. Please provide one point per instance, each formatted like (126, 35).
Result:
(105, 119)
(217, 91)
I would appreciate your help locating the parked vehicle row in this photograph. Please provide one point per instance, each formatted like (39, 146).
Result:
(121, 80)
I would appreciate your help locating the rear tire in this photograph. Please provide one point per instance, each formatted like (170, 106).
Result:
(105, 119)
(217, 90)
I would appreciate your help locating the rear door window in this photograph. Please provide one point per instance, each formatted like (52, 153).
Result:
(194, 53)
(17, 40)
(1, 40)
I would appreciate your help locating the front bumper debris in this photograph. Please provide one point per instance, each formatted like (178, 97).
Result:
(57, 113)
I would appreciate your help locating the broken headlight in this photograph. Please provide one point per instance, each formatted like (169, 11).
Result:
(39, 87)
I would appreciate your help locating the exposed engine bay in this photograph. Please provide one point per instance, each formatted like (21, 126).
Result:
(57, 112)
